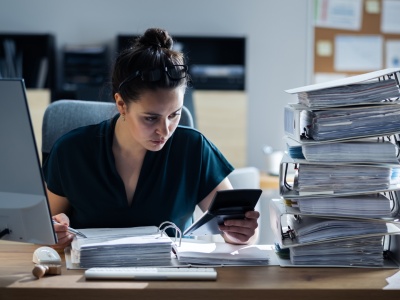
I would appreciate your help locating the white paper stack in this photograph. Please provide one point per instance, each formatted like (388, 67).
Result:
(148, 250)
(121, 247)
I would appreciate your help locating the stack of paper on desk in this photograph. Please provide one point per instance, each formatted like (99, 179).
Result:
(217, 253)
(139, 246)
(148, 250)
(152, 249)
(355, 252)
(342, 138)
(292, 228)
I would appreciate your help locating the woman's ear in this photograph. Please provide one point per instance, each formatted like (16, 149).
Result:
(120, 103)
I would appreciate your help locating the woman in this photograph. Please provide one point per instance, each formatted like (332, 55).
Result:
(139, 168)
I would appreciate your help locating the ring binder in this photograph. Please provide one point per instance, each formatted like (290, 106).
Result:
(178, 232)
(289, 234)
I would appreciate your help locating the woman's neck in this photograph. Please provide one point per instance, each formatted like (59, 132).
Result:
(125, 144)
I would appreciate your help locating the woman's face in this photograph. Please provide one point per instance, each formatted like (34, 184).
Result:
(154, 117)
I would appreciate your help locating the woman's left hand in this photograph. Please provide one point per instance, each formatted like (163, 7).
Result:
(240, 231)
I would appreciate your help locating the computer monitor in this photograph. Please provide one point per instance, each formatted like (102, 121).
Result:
(24, 208)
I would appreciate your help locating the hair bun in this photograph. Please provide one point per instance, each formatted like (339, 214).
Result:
(156, 37)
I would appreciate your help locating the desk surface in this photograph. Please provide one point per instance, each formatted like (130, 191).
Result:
(18, 283)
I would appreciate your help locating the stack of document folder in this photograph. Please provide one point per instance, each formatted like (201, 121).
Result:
(343, 200)
(329, 239)
(341, 109)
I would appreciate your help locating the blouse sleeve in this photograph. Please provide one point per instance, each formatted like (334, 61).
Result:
(214, 168)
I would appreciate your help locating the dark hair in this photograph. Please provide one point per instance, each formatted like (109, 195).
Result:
(153, 50)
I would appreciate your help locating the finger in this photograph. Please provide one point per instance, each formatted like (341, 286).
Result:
(238, 230)
(252, 214)
(63, 241)
(246, 223)
(58, 228)
(62, 219)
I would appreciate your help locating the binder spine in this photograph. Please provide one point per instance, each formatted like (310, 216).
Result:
(292, 122)
(294, 127)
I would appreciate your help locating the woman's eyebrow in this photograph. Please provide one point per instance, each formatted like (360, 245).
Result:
(155, 114)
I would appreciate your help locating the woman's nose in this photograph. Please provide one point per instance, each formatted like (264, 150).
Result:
(162, 129)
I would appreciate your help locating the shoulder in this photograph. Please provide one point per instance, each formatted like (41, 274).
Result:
(188, 132)
(85, 135)
(190, 137)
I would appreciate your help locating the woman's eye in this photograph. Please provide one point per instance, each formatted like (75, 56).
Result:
(150, 119)
(173, 116)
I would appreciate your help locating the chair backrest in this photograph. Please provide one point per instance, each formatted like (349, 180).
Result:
(186, 118)
(64, 115)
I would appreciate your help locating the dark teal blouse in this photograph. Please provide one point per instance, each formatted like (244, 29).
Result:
(171, 183)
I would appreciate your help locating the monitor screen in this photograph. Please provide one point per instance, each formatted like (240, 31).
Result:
(24, 209)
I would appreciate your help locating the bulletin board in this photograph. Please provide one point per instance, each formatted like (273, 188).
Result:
(371, 13)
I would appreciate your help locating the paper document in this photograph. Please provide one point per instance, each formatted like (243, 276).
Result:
(220, 253)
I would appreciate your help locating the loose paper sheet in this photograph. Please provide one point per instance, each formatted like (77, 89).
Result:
(358, 53)
(393, 53)
(340, 14)
(390, 20)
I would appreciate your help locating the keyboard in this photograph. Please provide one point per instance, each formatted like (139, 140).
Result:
(151, 273)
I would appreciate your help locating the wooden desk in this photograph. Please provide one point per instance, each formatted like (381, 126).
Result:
(17, 283)
(269, 182)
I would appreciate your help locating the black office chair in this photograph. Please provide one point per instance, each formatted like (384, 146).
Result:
(64, 115)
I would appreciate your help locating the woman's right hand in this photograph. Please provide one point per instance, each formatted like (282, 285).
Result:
(63, 236)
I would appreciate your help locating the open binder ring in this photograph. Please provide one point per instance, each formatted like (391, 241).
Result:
(168, 224)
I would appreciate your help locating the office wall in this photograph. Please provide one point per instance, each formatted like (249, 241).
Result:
(277, 42)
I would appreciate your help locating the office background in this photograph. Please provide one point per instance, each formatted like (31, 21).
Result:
(278, 47)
